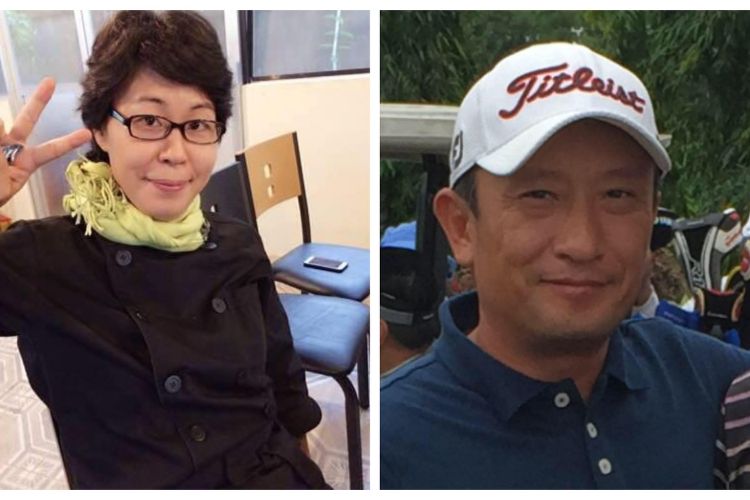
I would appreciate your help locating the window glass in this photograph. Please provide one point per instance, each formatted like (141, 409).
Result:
(298, 43)
(45, 43)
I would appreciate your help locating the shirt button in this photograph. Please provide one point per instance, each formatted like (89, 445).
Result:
(173, 384)
(562, 400)
(268, 409)
(210, 245)
(123, 258)
(605, 466)
(591, 428)
(219, 305)
(140, 315)
(197, 433)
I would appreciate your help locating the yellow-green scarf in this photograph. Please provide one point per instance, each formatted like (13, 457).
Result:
(96, 197)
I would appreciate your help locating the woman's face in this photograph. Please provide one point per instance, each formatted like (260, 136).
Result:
(160, 178)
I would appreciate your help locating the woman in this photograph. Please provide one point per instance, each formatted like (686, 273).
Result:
(150, 329)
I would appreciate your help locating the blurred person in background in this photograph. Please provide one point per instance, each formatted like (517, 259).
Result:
(409, 298)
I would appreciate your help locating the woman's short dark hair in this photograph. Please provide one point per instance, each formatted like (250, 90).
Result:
(180, 46)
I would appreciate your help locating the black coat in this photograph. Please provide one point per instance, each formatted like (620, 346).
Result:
(159, 369)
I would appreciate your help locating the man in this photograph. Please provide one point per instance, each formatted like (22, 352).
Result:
(409, 297)
(537, 381)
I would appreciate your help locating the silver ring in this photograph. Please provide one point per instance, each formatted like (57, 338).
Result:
(11, 151)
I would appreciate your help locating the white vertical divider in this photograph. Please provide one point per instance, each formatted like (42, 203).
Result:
(85, 32)
(232, 142)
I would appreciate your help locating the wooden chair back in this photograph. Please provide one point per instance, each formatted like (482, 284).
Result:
(274, 171)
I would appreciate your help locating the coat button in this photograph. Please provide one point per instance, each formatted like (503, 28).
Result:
(219, 305)
(210, 245)
(173, 384)
(197, 433)
(123, 258)
(141, 316)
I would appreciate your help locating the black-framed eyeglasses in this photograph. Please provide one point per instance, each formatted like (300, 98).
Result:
(155, 128)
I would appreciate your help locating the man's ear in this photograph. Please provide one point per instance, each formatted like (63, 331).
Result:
(458, 222)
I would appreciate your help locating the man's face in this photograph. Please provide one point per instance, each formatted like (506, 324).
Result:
(558, 248)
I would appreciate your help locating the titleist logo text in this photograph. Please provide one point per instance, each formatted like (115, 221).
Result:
(544, 82)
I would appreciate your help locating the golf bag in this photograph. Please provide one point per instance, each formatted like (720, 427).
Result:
(702, 244)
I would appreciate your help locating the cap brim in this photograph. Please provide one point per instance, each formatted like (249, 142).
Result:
(512, 155)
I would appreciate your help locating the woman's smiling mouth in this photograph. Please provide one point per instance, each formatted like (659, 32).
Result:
(167, 185)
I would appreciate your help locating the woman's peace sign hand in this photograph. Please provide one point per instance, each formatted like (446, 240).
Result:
(13, 177)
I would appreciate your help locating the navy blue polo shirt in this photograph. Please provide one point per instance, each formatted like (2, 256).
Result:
(458, 418)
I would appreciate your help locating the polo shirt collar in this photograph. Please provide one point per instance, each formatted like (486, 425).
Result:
(506, 389)
(622, 364)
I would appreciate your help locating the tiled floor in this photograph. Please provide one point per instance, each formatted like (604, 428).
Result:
(29, 457)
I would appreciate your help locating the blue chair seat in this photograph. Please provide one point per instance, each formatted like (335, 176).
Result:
(328, 332)
(330, 336)
(352, 283)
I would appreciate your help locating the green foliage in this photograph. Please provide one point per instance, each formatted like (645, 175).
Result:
(693, 63)
(23, 36)
(422, 57)
(695, 66)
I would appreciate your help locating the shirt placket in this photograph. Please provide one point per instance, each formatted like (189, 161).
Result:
(605, 469)
(598, 451)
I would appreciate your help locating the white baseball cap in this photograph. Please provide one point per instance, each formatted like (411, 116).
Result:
(532, 94)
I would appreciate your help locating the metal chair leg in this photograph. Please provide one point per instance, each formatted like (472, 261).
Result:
(353, 433)
(363, 376)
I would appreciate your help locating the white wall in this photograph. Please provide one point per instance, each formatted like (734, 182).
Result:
(331, 117)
